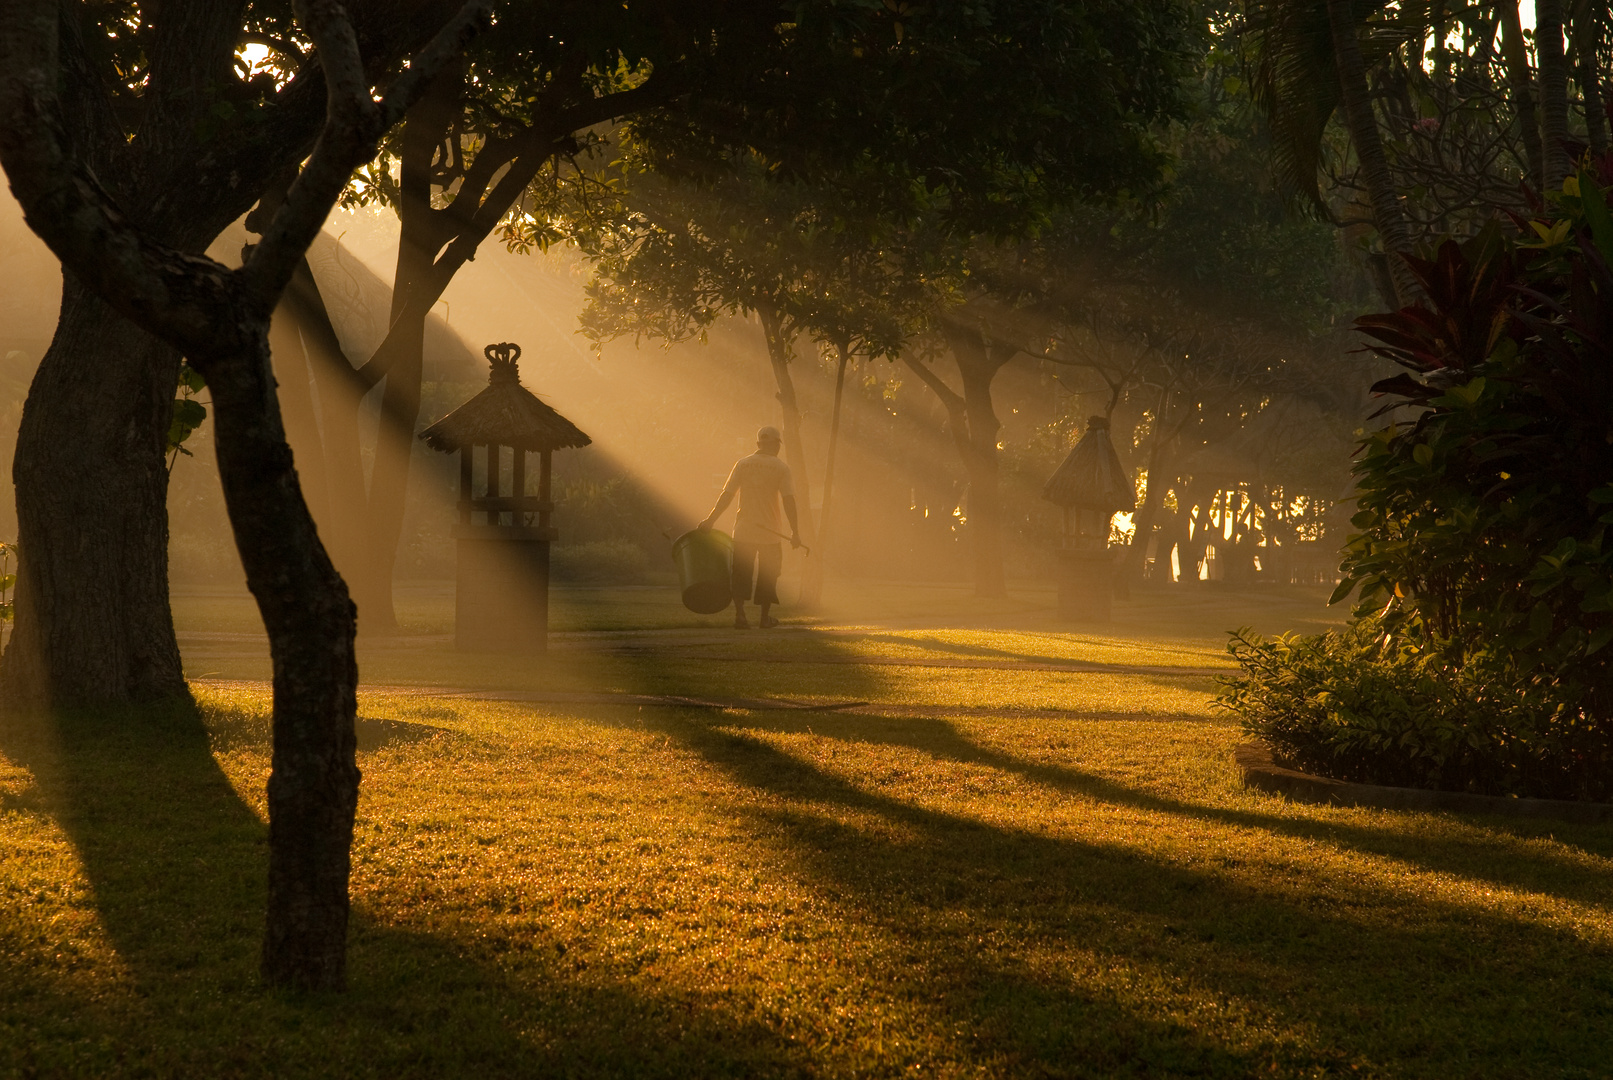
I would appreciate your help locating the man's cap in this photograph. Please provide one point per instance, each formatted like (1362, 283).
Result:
(769, 432)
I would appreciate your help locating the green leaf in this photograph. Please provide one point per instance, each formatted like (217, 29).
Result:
(1342, 591)
(1596, 214)
(188, 412)
(1423, 454)
(1599, 640)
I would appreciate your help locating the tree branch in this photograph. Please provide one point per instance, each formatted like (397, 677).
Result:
(950, 399)
(354, 124)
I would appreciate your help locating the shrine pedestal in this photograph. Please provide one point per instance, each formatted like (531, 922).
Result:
(501, 602)
(1086, 586)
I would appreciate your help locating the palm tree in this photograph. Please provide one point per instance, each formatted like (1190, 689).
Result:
(1553, 90)
(1586, 35)
(1309, 64)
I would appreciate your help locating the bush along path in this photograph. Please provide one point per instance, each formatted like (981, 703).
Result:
(1478, 659)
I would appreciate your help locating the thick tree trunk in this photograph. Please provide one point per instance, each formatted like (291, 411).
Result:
(812, 585)
(1363, 128)
(92, 620)
(778, 355)
(311, 622)
(1520, 81)
(1553, 90)
(1587, 37)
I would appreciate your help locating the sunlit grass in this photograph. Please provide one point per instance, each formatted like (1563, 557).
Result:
(986, 871)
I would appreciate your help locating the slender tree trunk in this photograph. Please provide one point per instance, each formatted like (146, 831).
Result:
(402, 354)
(1193, 523)
(1363, 127)
(1587, 37)
(978, 364)
(311, 622)
(977, 447)
(389, 477)
(1153, 499)
(341, 393)
(297, 406)
(985, 495)
(1553, 89)
(1520, 80)
(92, 620)
(778, 354)
(812, 585)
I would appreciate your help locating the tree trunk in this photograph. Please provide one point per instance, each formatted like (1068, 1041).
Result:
(1521, 82)
(92, 620)
(1553, 90)
(402, 354)
(389, 476)
(812, 585)
(1587, 37)
(297, 406)
(1363, 127)
(778, 354)
(1153, 499)
(311, 622)
(341, 392)
(977, 367)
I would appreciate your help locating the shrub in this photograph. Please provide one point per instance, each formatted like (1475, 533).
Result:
(1480, 657)
(1359, 704)
(599, 562)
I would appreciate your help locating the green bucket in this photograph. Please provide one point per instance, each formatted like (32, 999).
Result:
(705, 561)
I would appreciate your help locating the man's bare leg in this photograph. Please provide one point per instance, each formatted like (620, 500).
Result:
(766, 622)
(740, 622)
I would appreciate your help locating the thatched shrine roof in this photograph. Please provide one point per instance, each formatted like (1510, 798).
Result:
(1091, 476)
(506, 413)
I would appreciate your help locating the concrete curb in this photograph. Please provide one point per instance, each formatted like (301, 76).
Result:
(1254, 760)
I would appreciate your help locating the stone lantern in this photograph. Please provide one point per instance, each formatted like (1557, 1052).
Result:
(501, 601)
(1091, 486)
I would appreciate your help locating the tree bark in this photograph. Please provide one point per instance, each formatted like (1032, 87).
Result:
(1553, 90)
(1363, 128)
(778, 355)
(341, 392)
(297, 407)
(977, 369)
(812, 584)
(973, 423)
(311, 622)
(1153, 499)
(1520, 80)
(92, 622)
(425, 129)
(1587, 37)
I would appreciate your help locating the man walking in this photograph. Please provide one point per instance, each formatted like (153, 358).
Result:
(763, 485)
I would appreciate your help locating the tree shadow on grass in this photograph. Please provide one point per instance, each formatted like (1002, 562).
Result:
(1474, 855)
(986, 652)
(1425, 988)
(176, 867)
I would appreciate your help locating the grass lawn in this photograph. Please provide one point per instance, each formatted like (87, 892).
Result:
(1024, 852)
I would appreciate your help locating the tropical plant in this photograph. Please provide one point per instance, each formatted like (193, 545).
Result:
(1483, 559)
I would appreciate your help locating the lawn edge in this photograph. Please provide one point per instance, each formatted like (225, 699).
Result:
(1260, 771)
